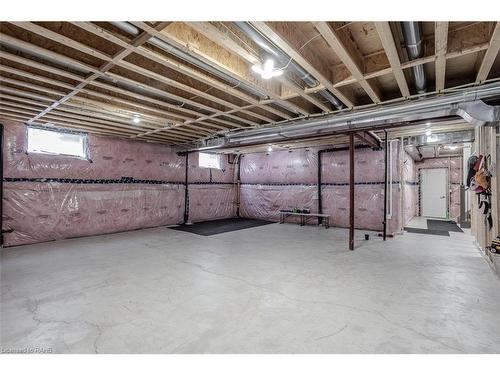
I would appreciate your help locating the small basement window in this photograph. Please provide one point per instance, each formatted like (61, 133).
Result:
(209, 160)
(55, 142)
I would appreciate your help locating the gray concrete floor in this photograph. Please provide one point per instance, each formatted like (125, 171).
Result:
(271, 289)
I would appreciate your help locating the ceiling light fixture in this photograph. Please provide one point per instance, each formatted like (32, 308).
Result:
(267, 70)
(428, 132)
(136, 119)
(431, 138)
(269, 148)
(451, 147)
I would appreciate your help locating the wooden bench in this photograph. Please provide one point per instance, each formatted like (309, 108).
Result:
(322, 218)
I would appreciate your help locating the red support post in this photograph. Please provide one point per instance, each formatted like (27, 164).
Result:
(351, 191)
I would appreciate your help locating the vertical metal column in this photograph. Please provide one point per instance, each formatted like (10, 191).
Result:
(351, 191)
(238, 184)
(186, 192)
(386, 152)
(1, 185)
(320, 203)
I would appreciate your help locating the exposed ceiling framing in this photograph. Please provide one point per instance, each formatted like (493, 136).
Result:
(92, 76)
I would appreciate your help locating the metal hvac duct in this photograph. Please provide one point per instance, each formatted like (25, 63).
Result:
(413, 41)
(285, 60)
(414, 152)
(464, 136)
(131, 29)
(465, 103)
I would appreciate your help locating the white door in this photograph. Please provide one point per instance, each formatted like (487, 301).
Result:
(434, 194)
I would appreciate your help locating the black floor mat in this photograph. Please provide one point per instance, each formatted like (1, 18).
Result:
(209, 228)
(428, 231)
(446, 225)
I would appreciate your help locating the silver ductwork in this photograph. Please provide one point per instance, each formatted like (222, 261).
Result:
(285, 60)
(414, 152)
(417, 145)
(131, 29)
(465, 103)
(413, 40)
(464, 136)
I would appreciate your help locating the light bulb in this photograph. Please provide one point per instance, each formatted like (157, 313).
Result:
(266, 71)
(269, 65)
(269, 148)
(136, 119)
(257, 69)
(428, 132)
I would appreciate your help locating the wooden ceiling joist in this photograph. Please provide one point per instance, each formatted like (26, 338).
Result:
(70, 61)
(385, 34)
(297, 57)
(92, 77)
(349, 55)
(56, 115)
(368, 138)
(207, 60)
(216, 36)
(490, 55)
(185, 69)
(121, 91)
(441, 45)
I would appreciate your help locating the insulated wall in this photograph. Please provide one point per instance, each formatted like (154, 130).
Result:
(410, 188)
(124, 185)
(287, 179)
(212, 192)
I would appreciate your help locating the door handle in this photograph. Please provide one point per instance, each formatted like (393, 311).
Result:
(444, 196)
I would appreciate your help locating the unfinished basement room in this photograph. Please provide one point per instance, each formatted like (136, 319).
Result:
(250, 187)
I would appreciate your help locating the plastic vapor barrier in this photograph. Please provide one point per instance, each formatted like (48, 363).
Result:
(123, 185)
(286, 179)
(410, 186)
(212, 194)
(39, 212)
(211, 202)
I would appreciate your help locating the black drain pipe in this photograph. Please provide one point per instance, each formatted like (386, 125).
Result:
(1, 185)
(238, 186)
(320, 202)
(386, 151)
(186, 192)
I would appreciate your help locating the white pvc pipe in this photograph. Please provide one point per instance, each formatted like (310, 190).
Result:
(389, 212)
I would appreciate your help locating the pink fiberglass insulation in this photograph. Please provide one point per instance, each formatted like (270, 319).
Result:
(299, 166)
(211, 202)
(42, 211)
(369, 166)
(198, 174)
(95, 200)
(265, 202)
(368, 205)
(86, 197)
(212, 194)
(287, 179)
(109, 158)
(410, 186)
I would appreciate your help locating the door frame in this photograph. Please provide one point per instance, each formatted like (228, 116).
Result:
(420, 192)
